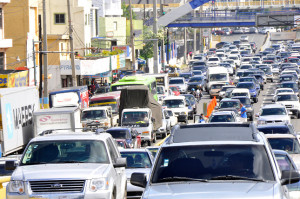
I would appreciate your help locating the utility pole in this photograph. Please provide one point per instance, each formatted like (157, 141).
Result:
(155, 42)
(163, 38)
(195, 37)
(34, 61)
(74, 81)
(132, 38)
(168, 46)
(40, 59)
(185, 47)
(46, 97)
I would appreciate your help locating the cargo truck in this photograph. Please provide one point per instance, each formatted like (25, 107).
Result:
(16, 126)
(139, 109)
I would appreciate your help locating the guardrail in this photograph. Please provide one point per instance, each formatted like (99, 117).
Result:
(3, 189)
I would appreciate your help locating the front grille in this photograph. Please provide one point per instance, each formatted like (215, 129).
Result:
(57, 186)
(134, 193)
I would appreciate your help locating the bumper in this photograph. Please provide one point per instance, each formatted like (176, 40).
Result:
(101, 194)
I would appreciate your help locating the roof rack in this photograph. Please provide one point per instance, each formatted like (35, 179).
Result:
(87, 129)
(214, 132)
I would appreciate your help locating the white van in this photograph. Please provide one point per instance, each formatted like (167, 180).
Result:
(216, 75)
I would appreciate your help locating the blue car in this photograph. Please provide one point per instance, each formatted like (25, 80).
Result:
(254, 91)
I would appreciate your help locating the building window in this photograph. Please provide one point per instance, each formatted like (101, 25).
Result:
(2, 61)
(115, 26)
(59, 18)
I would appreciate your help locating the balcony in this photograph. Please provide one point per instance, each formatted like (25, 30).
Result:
(6, 43)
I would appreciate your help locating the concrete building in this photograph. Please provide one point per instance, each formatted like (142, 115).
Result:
(108, 8)
(21, 25)
(57, 21)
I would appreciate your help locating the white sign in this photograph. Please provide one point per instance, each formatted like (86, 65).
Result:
(59, 121)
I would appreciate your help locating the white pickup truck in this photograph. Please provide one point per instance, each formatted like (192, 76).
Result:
(98, 117)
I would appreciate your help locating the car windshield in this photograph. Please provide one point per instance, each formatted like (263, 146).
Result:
(221, 118)
(286, 78)
(93, 115)
(218, 77)
(239, 94)
(274, 130)
(284, 162)
(245, 85)
(213, 59)
(273, 111)
(170, 113)
(246, 80)
(137, 159)
(248, 73)
(239, 74)
(65, 151)
(195, 79)
(289, 85)
(244, 100)
(229, 104)
(175, 103)
(266, 70)
(217, 86)
(233, 58)
(118, 134)
(225, 88)
(160, 90)
(290, 145)
(191, 98)
(197, 72)
(186, 76)
(287, 98)
(176, 81)
(135, 117)
(173, 88)
(284, 91)
(212, 162)
(245, 67)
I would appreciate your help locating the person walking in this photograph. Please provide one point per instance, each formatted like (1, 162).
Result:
(243, 113)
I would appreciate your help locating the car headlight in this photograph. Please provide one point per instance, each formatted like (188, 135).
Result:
(261, 122)
(16, 186)
(98, 184)
(183, 113)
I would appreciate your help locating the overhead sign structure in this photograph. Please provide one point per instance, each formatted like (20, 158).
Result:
(280, 19)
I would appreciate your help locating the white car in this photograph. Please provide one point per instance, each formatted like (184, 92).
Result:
(236, 59)
(240, 92)
(273, 113)
(244, 38)
(213, 61)
(222, 56)
(178, 105)
(282, 90)
(173, 118)
(179, 82)
(290, 101)
(223, 116)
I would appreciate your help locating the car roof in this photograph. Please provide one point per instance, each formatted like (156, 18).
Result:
(119, 128)
(272, 125)
(273, 106)
(286, 93)
(222, 113)
(174, 97)
(229, 100)
(214, 132)
(72, 136)
(133, 150)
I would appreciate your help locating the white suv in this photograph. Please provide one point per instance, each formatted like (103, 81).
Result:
(290, 101)
(69, 165)
(178, 105)
(180, 83)
(273, 113)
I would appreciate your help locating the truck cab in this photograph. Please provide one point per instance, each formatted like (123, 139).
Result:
(98, 116)
(142, 120)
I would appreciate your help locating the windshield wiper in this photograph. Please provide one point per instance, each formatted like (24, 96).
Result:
(233, 177)
(176, 178)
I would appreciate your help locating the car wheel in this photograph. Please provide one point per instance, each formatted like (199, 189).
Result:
(149, 143)
(255, 100)
(251, 118)
(163, 135)
(298, 115)
(113, 196)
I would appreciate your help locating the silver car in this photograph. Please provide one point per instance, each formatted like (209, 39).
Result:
(138, 160)
(70, 165)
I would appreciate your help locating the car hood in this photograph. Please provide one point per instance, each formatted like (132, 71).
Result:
(61, 171)
(274, 117)
(214, 190)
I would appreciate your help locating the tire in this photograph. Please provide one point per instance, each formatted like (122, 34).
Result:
(149, 143)
(298, 115)
(113, 196)
(251, 118)
(163, 135)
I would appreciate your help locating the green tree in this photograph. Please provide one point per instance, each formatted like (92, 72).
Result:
(126, 12)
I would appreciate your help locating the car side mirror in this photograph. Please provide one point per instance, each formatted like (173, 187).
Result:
(10, 165)
(120, 162)
(139, 179)
(257, 115)
(289, 177)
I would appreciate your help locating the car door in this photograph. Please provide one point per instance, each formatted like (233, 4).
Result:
(119, 173)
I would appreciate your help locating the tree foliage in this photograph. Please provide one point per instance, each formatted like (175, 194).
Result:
(126, 12)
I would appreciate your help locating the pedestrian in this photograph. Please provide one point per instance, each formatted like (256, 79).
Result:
(243, 113)
(201, 119)
(94, 82)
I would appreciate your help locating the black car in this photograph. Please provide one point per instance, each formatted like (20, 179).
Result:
(221, 44)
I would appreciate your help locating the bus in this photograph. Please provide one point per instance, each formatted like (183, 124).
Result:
(148, 81)
(107, 99)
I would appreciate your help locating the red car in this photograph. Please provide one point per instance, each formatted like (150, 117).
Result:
(175, 90)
